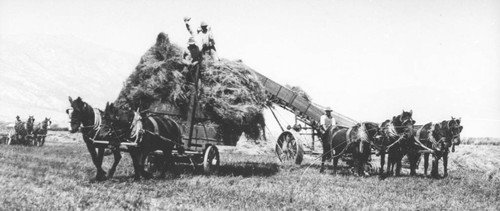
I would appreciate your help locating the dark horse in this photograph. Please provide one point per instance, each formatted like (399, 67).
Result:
(20, 129)
(355, 140)
(88, 120)
(396, 141)
(40, 131)
(149, 133)
(438, 138)
(30, 124)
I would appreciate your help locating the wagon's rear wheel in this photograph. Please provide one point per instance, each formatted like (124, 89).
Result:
(211, 160)
(289, 149)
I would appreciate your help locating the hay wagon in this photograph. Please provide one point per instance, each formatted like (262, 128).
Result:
(201, 140)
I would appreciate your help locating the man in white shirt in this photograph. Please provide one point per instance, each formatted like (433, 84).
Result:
(327, 120)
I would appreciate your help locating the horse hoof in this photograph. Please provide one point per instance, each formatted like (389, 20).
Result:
(100, 178)
(147, 175)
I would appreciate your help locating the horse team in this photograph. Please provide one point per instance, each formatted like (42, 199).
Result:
(28, 133)
(395, 138)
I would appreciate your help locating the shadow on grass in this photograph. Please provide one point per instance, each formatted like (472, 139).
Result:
(244, 169)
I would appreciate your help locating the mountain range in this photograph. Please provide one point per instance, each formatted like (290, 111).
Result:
(39, 72)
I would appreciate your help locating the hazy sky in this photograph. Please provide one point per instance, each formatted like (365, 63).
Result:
(365, 59)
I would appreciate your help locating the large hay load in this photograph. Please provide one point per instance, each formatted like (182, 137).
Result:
(230, 94)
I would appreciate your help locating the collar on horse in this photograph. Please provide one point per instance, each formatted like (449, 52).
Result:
(137, 128)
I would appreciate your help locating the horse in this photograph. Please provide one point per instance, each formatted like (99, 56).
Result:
(40, 131)
(88, 120)
(395, 141)
(30, 124)
(355, 140)
(20, 129)
(437, 138)
(150, 133)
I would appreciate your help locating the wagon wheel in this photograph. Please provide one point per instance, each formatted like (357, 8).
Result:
(151, 163)
(289, 149)
(211, 160)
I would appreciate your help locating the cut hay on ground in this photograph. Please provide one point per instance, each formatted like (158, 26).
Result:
(230, 94)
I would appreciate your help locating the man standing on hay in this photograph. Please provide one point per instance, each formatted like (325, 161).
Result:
(192, 60)
(205, 36)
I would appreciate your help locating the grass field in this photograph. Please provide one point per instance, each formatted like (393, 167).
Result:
(59, 176)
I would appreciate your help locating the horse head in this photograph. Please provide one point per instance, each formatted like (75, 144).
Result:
(46, 123)
(404, 123)
(31, 121)
(118, 117)
(437, 135)
(78, 114)
(373, 131)
(453, 130)
(117, 122)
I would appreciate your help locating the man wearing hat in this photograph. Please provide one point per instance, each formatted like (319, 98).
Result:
(327, 120)
(205, 36)
(191, 58)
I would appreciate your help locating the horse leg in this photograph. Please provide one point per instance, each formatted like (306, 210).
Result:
(100, 157)
(390, 164)
(413, 157)
(95, 160)
(168, 162)
(118, 156)
(434, 170)
(134, 154)
(399, 164)
(445, 164)
(323, 159)
(382, 162)
(335, 162)
(426, 163)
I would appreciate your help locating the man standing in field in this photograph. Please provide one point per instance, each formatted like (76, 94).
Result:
(205, 36)
(326, 120)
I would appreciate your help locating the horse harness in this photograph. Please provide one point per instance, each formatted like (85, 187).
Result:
(138, 129)
(349, 140)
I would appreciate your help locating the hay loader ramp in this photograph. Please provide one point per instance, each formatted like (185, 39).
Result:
(290, 145)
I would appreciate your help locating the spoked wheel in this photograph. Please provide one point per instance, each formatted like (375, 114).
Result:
(152, 164)
(289, 149)
(211, 160)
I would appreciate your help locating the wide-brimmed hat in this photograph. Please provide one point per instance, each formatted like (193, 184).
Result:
(191, 41)
(328, 109)
(203, 23)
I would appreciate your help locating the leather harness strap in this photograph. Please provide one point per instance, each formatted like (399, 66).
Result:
(155, 125)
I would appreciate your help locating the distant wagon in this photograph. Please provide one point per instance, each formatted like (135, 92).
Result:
(18, 135)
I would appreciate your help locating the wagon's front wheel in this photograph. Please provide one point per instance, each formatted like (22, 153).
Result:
(289, 149)
(211, 160)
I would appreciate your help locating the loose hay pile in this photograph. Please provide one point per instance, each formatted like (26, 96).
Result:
(231, 94)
